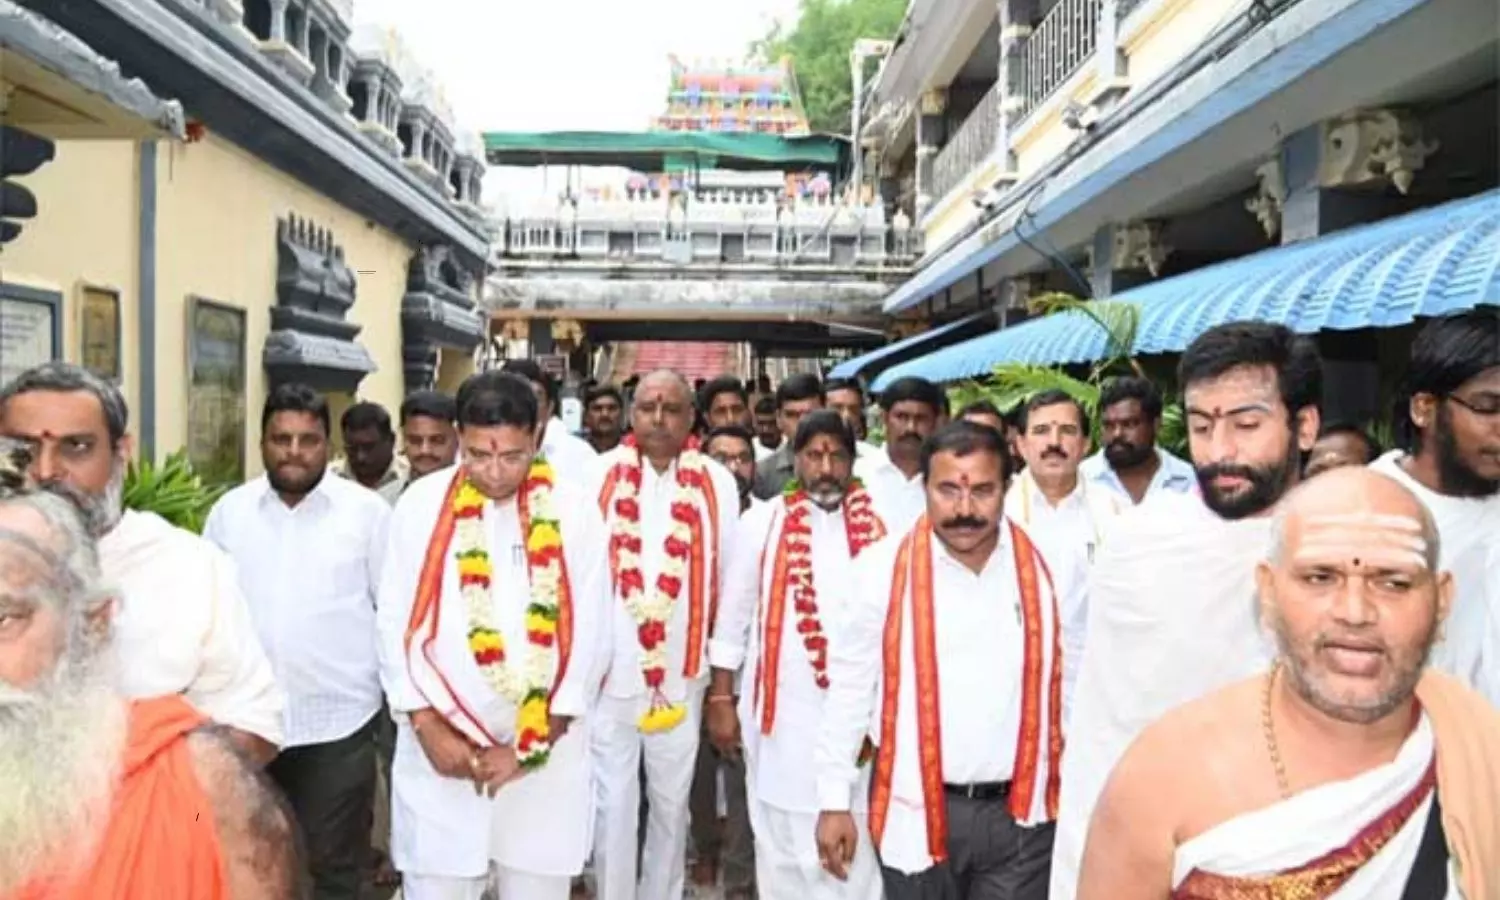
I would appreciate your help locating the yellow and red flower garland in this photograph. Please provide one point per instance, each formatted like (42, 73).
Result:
(528, 685)
(862, 527)
(652, 609)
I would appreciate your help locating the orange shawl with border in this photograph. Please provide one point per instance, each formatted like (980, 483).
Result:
(1467, 733)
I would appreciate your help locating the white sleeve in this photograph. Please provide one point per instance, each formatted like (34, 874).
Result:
(395, 595)
(235, 685)
(586, 547)
(741, 591)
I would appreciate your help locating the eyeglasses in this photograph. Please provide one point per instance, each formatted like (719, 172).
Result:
(1488, 407)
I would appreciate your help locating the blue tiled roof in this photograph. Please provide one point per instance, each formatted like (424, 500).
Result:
(1426, 263)
(852, 367)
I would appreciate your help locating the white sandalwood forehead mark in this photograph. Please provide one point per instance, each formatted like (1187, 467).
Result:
(1367, 539)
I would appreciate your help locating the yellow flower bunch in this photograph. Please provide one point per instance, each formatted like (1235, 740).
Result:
(660, 718)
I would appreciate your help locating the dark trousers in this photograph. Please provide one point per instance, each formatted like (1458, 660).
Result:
(331, 788)
(990, 857)
(732, 846)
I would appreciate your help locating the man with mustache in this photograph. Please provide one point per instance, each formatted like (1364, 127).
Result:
(183, 626)
(603, 406)
(795, 397)
(948, 656)
(1168, 616)
(845, 397)
(912, 409)
(370, 451)
(308, 547)
(428, 436)
(1344, 769)
(672, 514)
(1131, 465)
(102, 796)
(792, 577)
(1450, 432)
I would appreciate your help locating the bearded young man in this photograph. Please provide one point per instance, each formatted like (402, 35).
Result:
(792, 576)
(1451, 431)
(949, 656)
(183, 626)
(1131, 465)
(1168, 618)
(672, 513)
(492, 623)
(1343, 771)
(101, 796)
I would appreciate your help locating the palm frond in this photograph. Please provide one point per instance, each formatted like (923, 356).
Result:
(1012, 384)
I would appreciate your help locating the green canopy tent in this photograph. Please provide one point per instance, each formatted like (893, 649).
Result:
(667, 151)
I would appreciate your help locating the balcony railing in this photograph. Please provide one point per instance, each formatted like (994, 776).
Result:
(1057, 47)
(971, 143)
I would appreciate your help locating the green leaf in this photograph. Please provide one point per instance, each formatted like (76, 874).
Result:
(171, 489)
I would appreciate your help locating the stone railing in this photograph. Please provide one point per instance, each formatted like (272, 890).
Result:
(969, 146)
(1059, 45)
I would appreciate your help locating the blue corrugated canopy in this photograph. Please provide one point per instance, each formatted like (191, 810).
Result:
(849, 368)
(1385, 274)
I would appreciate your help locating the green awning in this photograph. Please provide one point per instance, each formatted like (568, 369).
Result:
(658, 151)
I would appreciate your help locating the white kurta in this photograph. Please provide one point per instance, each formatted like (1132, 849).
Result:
(899, 500)
(1303, 828)
(1172, 617)
(571, 456)
(541, 823)
(781, 786)
(1173, 475)
(183, 626)
(1470, 531)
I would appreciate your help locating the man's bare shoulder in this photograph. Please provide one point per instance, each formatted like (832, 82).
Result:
(262, 849)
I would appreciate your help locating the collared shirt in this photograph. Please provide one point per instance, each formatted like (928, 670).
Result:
(390, 485)
(762, 451)
(309, 573)
(774, 472)
(183, 626)
(1172, 474)
(898, 499)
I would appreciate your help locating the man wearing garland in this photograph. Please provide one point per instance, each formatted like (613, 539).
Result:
(949, 656)
(672, 513)
(793, 573)
(493, 639)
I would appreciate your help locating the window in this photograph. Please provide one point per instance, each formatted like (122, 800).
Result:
(258, 18)
(30, 329)
(216, 391)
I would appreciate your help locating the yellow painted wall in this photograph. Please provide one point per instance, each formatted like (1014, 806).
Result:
(86, 233)
(217, 208)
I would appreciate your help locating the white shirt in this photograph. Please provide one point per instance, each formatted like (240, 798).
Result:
(1172, 617)
(1172, 474)
(309, 573)
(781, 776)
(1470, 550)
(658, 490)
(571, 456)
(899, 500)
(762, 451)
(183, 626)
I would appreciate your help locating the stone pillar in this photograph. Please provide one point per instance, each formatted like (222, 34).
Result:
(930, 127)
(278, 20)
(1109, 62)
(1016, 17)
(303, 34)
(1125, 256)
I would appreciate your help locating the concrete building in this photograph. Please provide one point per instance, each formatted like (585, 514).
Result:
(301, 206)
(1115, 148)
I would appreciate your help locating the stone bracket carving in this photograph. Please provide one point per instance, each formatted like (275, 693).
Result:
(310, 339)
(21, 153)
(1269, 197)
(1373, 145)
(1139, 245)
(436, 311)
(1018, 292)
(311, 273)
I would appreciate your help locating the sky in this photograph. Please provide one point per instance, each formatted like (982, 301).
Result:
(555, 65)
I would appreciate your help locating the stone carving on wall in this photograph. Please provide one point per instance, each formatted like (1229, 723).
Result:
(1373, 145)
(21, 153)
(311, 340)
(1269, 197)
(437, 311)
(1139, 245)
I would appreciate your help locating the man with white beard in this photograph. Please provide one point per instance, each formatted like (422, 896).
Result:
(1451, 431)
(100, 796)
(183, 626)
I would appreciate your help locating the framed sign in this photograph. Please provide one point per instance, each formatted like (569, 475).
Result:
(216, 390)
(99, 331)
(30, 329)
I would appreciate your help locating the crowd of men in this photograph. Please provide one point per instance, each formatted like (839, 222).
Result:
(976, 661)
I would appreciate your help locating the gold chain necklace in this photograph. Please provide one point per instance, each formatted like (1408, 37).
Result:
(1270, 732)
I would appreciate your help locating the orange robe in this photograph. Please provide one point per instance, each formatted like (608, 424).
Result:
(161, 842)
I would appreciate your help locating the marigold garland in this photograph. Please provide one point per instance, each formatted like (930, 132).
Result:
(652, 610)
(528, 686)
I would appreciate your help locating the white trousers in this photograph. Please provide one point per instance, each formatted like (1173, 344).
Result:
(619, 749)
(786, 859)
(509, 885)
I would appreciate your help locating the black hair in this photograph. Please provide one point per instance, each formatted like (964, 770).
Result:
(981, 408)
(738, 432)
(429, 405)
(963, 438)
(843, 384)
(1053, 397)
(367, 414)
(915, 389)
(765, 406)
(1372, 446)
(1132, 387)
(599, 392)
(295, 397)
(67, 378)
(1447, 353)
(1294, 358)
(823, 421)
(497, 398)
(724, 384)
(802, 386)
(534, 373)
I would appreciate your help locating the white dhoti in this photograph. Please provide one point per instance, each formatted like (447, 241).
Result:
(509, 884)
(1297, 831)
(619, 748)
(786, 859)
